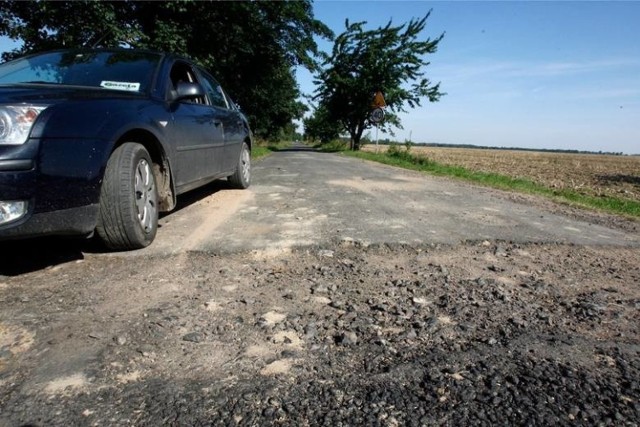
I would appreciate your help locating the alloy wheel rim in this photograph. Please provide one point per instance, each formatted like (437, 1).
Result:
(246, 165)
(145, 193)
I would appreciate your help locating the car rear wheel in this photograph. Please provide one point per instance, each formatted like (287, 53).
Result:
(128, 216)
(242, 176)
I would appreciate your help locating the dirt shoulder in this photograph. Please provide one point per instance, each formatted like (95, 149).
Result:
(469, 334)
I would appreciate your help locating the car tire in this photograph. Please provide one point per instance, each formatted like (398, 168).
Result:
(128, 217)
(241, 178)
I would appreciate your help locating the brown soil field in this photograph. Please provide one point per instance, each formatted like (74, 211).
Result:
(592, 174)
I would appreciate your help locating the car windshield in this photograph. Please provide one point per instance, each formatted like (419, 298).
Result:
(117, 70)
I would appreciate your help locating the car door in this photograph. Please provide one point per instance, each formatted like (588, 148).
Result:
(197, 132)
(232, 122)
(233, 140)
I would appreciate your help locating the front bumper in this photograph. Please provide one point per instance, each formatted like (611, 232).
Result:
(80, 221)
(59, 179)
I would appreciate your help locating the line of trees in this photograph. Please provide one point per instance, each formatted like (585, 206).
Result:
(409, 144)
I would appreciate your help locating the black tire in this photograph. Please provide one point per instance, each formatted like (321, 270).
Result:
(241, 178)
(128, 217)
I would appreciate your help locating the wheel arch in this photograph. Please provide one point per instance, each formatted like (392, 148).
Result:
(249, 138)
(161, 165)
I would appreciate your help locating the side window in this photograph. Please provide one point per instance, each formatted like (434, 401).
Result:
(214, 91)
(232, 105)
(181, 72)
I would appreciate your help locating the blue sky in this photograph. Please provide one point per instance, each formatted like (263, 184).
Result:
(519, 74)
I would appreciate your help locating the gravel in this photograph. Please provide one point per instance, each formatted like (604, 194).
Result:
(482, 333)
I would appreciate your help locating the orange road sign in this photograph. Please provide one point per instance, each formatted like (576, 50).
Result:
(378, 100)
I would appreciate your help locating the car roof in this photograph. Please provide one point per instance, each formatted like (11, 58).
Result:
(97, 50)
(162, 54)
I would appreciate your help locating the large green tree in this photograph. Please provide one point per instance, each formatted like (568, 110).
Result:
(389, 59)
(251, 47)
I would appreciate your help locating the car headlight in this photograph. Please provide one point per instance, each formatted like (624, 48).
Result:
(11, 211)
(16, 122)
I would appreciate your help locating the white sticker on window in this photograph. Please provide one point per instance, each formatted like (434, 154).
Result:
(120, 85)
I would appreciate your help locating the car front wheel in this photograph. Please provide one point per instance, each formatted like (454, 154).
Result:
(242, 176)
(128, 216)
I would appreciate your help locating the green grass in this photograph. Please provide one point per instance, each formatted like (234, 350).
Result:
(404, 159)
(332, 147)
(262, 149)
(258, 152)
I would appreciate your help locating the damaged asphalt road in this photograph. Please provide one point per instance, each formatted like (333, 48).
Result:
(327, 327)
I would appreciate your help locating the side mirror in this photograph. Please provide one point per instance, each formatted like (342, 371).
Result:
(185, 90)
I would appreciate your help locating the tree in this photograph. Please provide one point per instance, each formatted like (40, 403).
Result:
(319, 127)
(251, 47)
(389, 59)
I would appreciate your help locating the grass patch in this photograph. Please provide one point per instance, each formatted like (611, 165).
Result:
(404, 159)
(258, 152)
(332, 147)
(263, 149)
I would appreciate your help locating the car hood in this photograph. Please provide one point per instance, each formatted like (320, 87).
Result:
(51, 94)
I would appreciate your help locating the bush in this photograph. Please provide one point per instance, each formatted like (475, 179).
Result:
(334, 146)
(395, 152)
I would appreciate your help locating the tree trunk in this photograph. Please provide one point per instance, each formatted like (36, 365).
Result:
(356, 135)
(354, 141)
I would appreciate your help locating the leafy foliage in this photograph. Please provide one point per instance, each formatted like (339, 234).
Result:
(319, 127)
(250, 46)
(389, 59)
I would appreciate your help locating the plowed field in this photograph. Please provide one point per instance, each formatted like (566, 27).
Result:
(592, 174)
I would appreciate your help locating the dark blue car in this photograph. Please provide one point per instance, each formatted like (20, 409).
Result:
(100, 141)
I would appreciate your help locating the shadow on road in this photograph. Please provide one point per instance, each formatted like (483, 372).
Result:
(194, 196)
(25, 256)
(297, 149)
